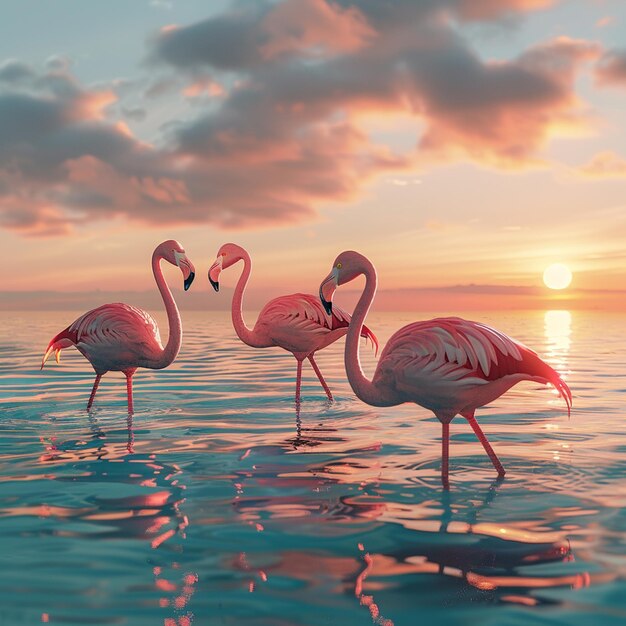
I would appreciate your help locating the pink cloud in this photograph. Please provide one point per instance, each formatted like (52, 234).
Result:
(286, 134)
(515, 107)
(204, 86)
(480, 9)
(314, 27)
(611, 68)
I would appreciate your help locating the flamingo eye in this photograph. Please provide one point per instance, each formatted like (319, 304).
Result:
(338, 266)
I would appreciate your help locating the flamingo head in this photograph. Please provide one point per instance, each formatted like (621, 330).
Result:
(228, 255)
(174, 253)
(347, 266)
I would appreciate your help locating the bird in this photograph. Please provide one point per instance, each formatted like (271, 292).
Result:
(448, 365)
(119, 337)
(296, 322)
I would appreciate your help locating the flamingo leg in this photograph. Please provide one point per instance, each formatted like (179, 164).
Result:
(131, 433)
(488, 449)
(298, 382)
(93, 390)
(316, 369)
(445, 446)
(129, 392)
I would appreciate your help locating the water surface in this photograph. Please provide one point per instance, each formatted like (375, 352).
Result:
(219, 505)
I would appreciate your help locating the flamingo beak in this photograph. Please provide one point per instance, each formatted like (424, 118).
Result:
(215, 271)
(187, 268)
(327, 291)
(189, 280)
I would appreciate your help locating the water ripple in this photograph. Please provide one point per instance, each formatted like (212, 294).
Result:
(220, 504)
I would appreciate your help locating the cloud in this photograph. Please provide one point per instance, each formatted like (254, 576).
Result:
(605, 165)
(499, 112)
(489, 9)
(403, 182)
(64, 163)
(276, 129)
(14, 71)
(409, 58)
(254, 34)
(611, 68)
(137, 114)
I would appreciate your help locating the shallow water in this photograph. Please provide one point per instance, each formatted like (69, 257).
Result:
(220, 506)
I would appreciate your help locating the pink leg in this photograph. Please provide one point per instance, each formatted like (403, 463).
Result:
(445, 445)
(131, 433)
(488, 449)
(298, 382)
(321, 378)
(129, 392)
(93, 390)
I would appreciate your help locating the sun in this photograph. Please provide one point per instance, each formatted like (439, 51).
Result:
(557, 276)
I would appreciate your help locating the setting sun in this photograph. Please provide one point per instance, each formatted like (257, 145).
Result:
(557, 276)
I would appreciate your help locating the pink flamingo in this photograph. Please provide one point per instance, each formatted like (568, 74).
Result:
(448, 365)
(296, 322)
(119, 337)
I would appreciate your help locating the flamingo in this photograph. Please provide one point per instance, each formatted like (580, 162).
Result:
(121, 338)
(448, 365)
(296, 322)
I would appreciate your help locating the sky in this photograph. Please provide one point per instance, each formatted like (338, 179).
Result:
(462, 145)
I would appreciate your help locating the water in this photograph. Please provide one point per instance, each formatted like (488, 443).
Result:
(220, 507)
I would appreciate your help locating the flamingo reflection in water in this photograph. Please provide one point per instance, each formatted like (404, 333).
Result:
(450, 366)
(510, 562)
(155, 517)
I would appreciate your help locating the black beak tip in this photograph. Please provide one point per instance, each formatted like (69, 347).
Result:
(189, 280)
(328, 306)
(215, 284)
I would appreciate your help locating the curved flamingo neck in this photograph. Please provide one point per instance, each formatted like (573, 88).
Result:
(173, 317)
(362, 386)
(243, 332)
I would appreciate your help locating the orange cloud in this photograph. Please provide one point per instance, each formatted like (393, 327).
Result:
(603, 22)
(203, 86)
(605, 165)
(313, 26)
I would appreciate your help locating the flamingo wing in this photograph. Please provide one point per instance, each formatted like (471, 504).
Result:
(116, 323)
(111, 328)
(449, 354)
(304, 313)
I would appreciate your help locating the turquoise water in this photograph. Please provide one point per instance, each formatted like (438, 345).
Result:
(221, 506)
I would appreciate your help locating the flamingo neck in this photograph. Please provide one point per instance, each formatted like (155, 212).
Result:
(243, 332)
(173, 317)
(362, 386)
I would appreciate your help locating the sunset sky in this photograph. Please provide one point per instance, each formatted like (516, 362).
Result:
(462, 145)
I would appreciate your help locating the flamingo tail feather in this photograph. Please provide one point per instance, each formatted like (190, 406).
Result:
(564, 391)
(552, 377)
(368, 334)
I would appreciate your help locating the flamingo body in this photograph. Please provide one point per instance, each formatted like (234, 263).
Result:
(113, 338)
(449, 365)
(296, 323)
(454, 366)
(119, 337)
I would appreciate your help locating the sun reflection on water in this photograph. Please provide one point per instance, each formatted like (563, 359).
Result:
(558, 331)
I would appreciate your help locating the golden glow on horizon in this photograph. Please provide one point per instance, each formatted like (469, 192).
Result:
(557, 276)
